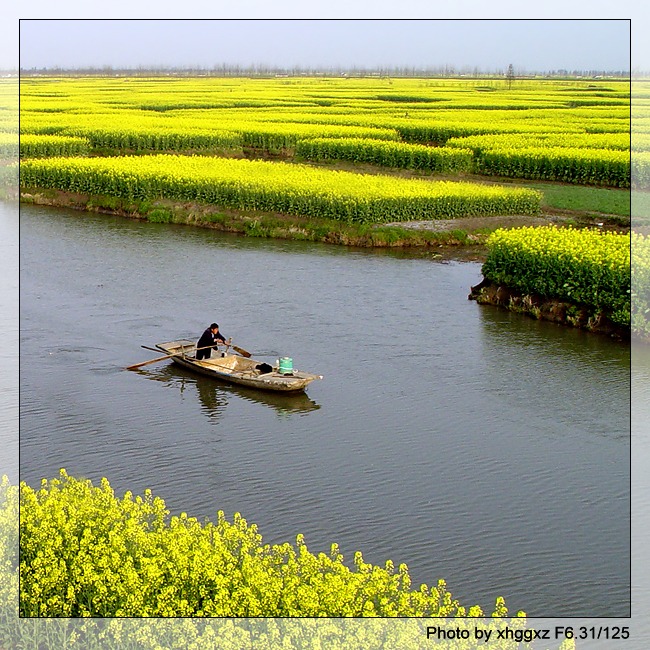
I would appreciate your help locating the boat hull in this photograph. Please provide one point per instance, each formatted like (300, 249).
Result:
(235, 369)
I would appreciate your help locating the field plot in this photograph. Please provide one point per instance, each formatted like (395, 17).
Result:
(277, 187)
(568, 131)
(587, 270)
(641, 142)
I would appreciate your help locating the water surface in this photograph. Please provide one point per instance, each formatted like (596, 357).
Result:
(9, 349)
(473, 445)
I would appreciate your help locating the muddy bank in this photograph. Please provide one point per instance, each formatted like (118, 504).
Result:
(446, 239)
(453, 242)
(462, 238)
(548, 309)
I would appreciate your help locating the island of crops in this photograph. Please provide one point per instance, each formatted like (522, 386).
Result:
(371, 161)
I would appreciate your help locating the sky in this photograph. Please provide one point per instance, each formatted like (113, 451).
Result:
(489, 45)
(561, 47)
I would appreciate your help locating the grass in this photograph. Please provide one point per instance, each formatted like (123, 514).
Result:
(641, 207)
(598, 200)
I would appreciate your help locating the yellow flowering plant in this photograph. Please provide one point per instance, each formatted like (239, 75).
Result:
(583, 266)
(86, 552)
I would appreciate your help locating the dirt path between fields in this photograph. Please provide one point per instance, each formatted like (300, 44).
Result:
(477, 224)
(473, 224)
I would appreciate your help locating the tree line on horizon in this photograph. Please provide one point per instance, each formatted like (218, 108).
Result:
(261, 70)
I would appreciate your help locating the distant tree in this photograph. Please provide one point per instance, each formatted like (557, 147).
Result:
(510, 76)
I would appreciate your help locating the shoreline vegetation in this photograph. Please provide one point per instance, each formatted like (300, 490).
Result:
(569, 206)
(554, 310)
(413, 235)
(466, 239)
(576, 277)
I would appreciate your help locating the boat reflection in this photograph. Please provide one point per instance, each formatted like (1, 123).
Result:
(214, 396)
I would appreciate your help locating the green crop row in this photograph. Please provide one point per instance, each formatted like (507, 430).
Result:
(438, 129)
(387, 154)
(480, 143)
(578, 158)
(537, 157)
(588, 267)
(581, 166)
(42, 146)
(8, 178)
(85, 552)
(9, 146)
(277, 187)
(275, 136)
(641, 170)
(158, 139)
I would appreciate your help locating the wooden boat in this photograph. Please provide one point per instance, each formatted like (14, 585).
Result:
(236, 369)
(214, 395)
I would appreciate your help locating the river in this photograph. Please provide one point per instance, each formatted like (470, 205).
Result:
(472, 444)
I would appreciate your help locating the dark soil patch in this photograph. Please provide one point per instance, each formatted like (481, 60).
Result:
(548, 309)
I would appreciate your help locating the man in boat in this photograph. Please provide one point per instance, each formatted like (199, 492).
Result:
(209, 340)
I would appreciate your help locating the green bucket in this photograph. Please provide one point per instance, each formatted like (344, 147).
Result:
(285, 366)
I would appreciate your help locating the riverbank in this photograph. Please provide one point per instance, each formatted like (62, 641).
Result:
(447, 237)
(553, 310)
(453, 239)
(462, 238)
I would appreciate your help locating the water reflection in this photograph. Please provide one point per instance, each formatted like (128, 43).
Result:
(533, 360)
(502, 330)
(215, 396)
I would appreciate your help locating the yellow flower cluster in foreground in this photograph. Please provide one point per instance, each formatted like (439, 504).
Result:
(86, 552)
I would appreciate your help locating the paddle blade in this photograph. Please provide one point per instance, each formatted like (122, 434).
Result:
(241, 351)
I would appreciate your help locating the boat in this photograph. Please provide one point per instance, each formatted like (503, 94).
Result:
(240, 370)
(214, 396)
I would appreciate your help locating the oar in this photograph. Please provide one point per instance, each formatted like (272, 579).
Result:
(241, 351)
(167, 356)
(135, 366)
(244, 353)
(146, 363)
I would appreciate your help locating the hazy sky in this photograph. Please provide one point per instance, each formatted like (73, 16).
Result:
(486, 44)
